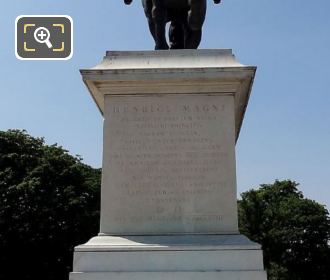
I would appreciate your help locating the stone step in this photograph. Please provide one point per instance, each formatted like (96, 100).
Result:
(205, 275)
(168, 260)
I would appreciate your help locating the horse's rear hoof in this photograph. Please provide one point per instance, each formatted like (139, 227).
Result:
(177, 47)
(165, 47)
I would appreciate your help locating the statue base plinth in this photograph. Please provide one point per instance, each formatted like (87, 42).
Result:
(179, 257)
(168, 195)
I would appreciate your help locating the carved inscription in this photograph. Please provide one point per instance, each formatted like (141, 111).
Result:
(169, 160)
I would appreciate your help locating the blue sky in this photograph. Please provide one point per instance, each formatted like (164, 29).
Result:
(286, 131)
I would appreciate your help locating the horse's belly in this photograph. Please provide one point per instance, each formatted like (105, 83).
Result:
(177, 4)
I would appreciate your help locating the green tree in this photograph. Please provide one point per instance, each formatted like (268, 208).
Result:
(49, 203)
(294, 231)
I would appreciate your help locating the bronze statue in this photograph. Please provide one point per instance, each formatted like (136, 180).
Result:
(186, 19)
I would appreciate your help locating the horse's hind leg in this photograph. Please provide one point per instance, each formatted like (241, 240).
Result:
(147, 5)
(159, 19)
(176, 35)
(196, 17)
(193, 39)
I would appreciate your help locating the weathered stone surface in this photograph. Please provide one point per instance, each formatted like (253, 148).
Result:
(175, 255)
(169, 165)
(176, 72)
(168, 199)
(182, 275)
(168, 253)
(171, 122)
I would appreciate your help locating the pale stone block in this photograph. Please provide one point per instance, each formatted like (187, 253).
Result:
(204, 260)
(169, 165)
(171, 123)
(168, 198)
(168, 253)
(196, 275)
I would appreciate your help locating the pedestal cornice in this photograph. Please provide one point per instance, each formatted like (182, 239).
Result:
(212, 72)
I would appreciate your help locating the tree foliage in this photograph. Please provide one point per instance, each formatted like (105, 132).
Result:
(294, 231)
(49, 203)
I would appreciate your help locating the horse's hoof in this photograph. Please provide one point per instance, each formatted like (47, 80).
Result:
(177, 46)
(161, 47)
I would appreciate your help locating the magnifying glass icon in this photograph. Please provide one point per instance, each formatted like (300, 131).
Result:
(42, 35)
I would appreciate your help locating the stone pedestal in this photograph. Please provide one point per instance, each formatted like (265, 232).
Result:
(168, 199)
